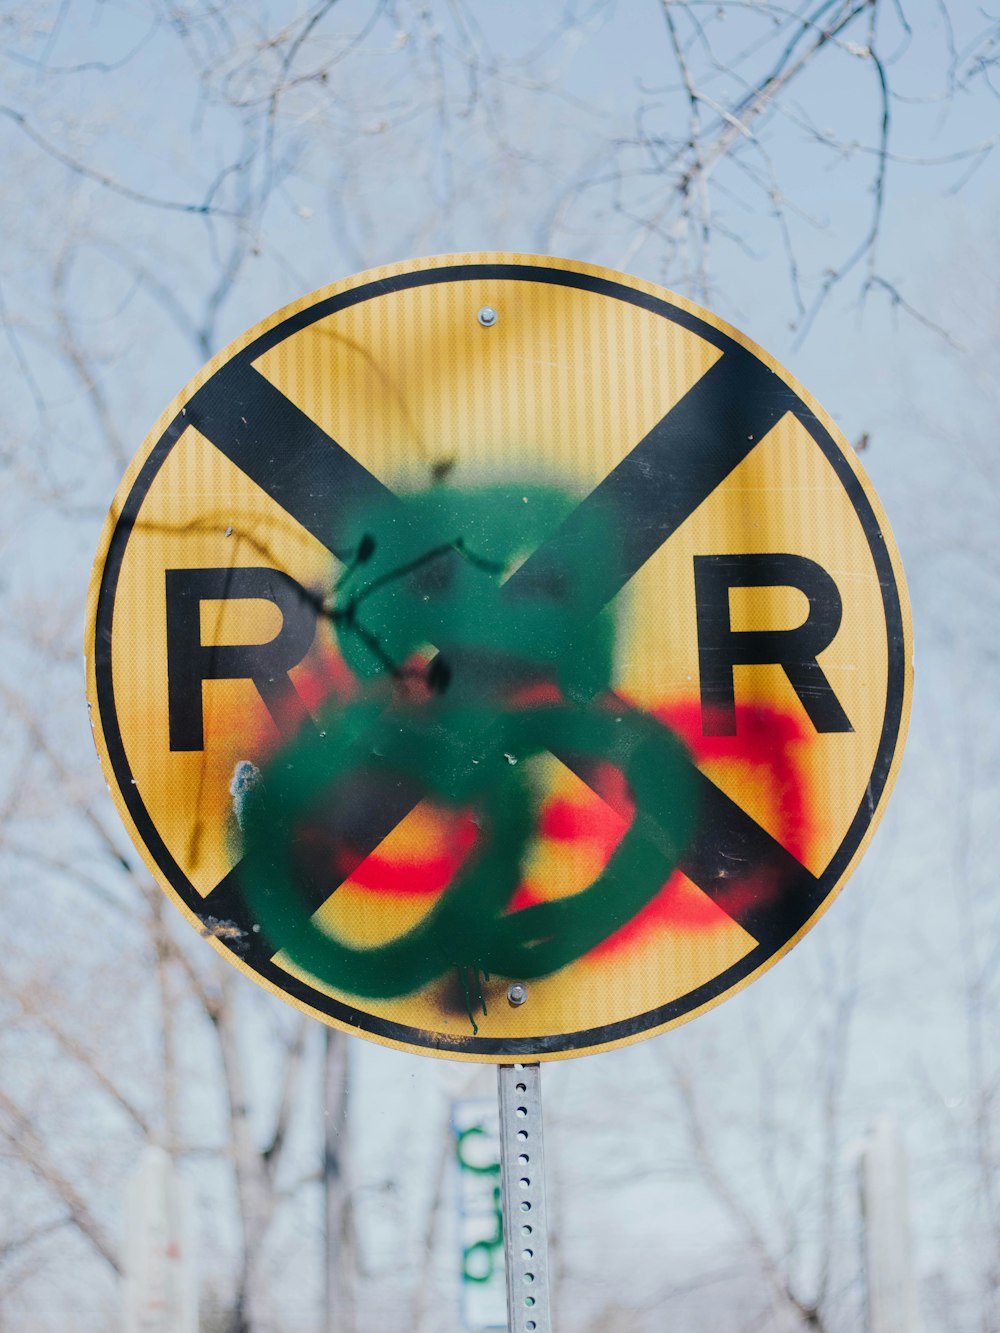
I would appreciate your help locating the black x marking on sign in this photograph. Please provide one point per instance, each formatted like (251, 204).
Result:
(663, 480)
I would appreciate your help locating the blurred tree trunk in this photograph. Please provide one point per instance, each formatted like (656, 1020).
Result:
(338, 1227)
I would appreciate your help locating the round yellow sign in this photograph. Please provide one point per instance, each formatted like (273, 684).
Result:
(498, 657)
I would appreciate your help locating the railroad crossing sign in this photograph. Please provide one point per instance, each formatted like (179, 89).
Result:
(498, 657)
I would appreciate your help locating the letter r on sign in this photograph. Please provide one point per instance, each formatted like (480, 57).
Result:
(721, 648)
(190, 662)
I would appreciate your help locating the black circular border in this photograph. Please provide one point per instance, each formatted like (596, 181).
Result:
(417, 1037)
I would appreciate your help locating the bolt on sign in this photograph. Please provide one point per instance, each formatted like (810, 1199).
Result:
(495, 621)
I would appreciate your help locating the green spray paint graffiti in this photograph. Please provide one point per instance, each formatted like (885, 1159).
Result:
(434, 580)
(482, 1286)
(481, 1258)
(437, 579)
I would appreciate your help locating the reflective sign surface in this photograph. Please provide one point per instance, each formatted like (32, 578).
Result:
(489, 620)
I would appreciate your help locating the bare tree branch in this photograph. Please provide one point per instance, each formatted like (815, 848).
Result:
(24, 1137)
(42, 1015)
(99, 178)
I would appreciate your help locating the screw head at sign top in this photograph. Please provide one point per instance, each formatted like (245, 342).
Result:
(517, 992)
(487, 316)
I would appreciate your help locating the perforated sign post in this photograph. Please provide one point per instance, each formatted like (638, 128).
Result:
(499, 658)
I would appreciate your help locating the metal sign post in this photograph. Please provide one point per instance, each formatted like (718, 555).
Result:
(522, 1184)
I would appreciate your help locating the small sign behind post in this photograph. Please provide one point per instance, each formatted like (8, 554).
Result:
(481, 1233)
